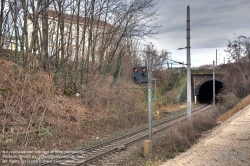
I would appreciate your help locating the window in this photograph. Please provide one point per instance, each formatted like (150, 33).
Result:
(50, 51)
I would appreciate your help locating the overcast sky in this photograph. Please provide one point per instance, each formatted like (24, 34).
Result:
(213, 23)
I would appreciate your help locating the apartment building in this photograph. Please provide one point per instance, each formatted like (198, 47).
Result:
(63, 39)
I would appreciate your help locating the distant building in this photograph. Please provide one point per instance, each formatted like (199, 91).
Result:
(9, 43)
(67, 47)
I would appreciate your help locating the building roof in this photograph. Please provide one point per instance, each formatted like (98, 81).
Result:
(73, 18)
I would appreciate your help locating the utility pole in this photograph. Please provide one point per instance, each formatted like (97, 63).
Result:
(148, 143)
(189, 103)
(150, 103)
(216, 57)
(213, 84)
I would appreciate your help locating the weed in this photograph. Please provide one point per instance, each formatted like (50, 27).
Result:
(43, 131)
(60, 101)
(178, 138)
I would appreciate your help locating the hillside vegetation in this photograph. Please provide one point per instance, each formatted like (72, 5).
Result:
(66, 70)
(33, 109)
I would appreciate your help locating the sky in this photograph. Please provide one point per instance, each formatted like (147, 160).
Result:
(213, 24)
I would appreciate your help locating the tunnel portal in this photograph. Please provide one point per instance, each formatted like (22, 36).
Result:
(205, 94)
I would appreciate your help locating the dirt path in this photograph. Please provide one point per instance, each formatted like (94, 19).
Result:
(228, 144)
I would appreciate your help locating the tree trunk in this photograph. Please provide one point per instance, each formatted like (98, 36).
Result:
(45, 35)
(1, 22)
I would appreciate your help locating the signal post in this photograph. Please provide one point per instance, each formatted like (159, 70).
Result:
(142, 75)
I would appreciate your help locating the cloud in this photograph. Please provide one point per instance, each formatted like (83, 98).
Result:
(213, 23)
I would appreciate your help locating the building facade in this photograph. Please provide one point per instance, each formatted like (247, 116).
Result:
(70, 36)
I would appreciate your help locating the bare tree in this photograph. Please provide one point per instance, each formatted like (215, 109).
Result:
(238, 51)
(154, 59)
(6, 25)
(239, 54)
(44, 38)
(131, 20)
(14, 8)
(25, 44)
(1, 22)
(74, 39)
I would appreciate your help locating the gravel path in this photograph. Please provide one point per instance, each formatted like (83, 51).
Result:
(228, 144)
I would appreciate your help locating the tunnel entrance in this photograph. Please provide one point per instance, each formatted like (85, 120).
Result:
(205, 94)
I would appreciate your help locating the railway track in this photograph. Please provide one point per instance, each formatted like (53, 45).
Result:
(90, 155)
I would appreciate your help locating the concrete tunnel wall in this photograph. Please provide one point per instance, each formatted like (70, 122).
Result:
(205, 93)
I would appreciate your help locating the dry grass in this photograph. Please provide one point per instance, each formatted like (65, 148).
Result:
(242, 104)
(33, 110)
(177, 139)
(167, 99)
(171, 107)
(183, 135)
